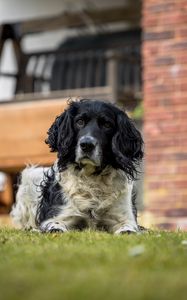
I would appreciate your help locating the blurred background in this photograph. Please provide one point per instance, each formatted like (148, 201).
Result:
(129, 52)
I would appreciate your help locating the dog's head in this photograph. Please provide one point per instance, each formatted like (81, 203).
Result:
(96, 133)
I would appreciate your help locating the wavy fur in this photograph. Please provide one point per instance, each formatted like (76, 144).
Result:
(84, 189)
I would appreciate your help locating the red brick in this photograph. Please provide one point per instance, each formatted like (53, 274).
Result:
(181, 32)
(180, 212)
(165, 110)
(158, 35)
(161, 7)
(166, 60)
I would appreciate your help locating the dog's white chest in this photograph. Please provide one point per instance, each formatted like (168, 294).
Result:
(93, 195)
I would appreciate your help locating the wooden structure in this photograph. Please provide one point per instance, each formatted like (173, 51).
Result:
(130, 12)
(98, 64)
(23, 131)
(101, 66)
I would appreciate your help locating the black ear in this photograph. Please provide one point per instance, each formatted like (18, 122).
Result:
(60, 132)
(53, 131)
(61, 137)
(127, 146)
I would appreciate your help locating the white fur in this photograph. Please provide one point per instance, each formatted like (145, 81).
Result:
(104, 198)
(27, 198)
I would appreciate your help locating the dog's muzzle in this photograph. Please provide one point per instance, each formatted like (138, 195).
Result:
(88, 151)
(87, 144)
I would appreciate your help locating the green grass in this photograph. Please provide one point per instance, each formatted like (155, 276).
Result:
(92, 265)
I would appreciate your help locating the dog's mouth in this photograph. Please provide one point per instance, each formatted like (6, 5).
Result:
(86, 160)
(88, 166)
(93, 158)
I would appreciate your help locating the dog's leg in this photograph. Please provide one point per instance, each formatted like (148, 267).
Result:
(122, 225)
(53, 225)
(63, 223)
(123, 218)
(28, 197)
(127, 224)
(127, 228)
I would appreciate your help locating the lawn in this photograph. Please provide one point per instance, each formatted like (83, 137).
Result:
(92, 265)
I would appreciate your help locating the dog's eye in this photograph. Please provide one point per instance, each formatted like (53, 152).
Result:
(107, 125)
(80, 122)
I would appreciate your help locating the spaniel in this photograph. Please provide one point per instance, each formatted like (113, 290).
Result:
(91, 183)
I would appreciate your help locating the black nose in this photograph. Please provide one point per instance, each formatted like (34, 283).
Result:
(87, 144)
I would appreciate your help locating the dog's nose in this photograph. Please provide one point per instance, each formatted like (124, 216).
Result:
(87, 143)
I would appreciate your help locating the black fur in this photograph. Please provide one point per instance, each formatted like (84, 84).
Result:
(124, 152)
(61, 137)
(127, 146)
(121, 146)
(51, 197)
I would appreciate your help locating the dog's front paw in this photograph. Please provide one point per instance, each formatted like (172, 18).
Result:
(127, 229)
(50, 226)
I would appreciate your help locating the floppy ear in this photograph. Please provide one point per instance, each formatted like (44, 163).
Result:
(127, 146)
(61, 136)
(52, 139)
(60, 132)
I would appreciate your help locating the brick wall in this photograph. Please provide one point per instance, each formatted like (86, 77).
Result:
(164, 49)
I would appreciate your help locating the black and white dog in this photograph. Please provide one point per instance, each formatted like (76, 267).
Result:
(91, 183)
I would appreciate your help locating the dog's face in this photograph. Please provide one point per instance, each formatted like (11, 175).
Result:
(96, 133)
(95, 126)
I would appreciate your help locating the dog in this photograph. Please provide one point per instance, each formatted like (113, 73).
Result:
(90, 184)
